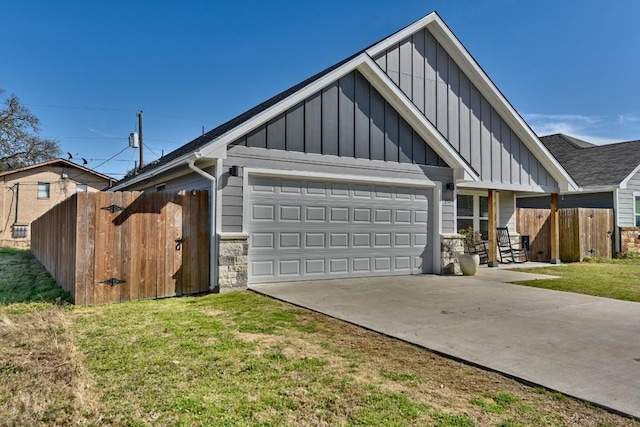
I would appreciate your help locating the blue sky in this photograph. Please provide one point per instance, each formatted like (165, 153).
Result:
(86, 67)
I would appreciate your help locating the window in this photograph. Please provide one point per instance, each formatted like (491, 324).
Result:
(43, 190)
(636, 209)
(20, 230)
(473, 211)
(81, 188)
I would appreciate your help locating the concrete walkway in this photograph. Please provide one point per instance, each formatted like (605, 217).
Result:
(583, 346)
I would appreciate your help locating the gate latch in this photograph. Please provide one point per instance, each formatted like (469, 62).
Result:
(179, 243)
(112, 282)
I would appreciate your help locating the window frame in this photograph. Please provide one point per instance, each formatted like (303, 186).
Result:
(19, 231)
(41, 187)
(476, 218)
(636, 213)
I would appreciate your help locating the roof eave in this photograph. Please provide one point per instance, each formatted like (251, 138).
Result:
(625, 181)
(208, 151)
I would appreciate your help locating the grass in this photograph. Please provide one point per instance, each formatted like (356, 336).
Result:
(23, 279)
(609, 278)
(243, 359)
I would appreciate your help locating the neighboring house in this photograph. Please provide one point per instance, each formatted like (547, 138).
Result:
(608, 177)
(29, 192)
(367, 168)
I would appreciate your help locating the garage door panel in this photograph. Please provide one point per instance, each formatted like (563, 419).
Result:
(289, 267)
(262, 240)
(304, 230)
(339, 265)
(314, 240)
(338, 240)
(263, 213)
(289, 241)
(403, 263)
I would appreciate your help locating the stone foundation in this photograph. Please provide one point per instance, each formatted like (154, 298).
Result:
(232, 261)
(450, 246)
(629, 239)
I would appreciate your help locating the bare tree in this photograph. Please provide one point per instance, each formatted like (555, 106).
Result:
(20, 144)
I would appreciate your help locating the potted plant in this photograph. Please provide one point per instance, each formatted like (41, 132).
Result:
(469, 261)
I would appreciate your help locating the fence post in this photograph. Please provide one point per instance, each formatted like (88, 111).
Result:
(555, 230)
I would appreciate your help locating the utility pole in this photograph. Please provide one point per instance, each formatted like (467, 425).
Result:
(140, 137)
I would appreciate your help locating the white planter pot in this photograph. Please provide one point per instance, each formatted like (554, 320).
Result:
(469, 263)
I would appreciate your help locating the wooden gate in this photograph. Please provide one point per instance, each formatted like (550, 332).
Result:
(584, 232)
(128, 245)
(535, 224)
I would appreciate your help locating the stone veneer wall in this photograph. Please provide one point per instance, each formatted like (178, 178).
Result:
(450, 246)
(232, 261)
(629, 239)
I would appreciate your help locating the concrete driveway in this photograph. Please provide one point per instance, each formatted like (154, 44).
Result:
(583, 346)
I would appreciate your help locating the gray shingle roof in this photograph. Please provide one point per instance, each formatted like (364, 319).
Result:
(594, 165)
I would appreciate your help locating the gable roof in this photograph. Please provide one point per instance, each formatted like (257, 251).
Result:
(363, 62)
(595, 165)
(61, 162)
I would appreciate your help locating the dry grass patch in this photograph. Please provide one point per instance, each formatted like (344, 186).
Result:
(41, 372)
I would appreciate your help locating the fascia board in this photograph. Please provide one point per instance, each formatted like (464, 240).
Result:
(153, 172)
(407, 109)
(479, 78)
(180, 161)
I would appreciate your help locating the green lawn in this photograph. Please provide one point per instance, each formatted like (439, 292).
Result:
(244, 359)
(24, 279)
(619, 279)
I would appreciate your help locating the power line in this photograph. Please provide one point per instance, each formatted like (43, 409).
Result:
(109, 137)
(72, 107)
(110, 158)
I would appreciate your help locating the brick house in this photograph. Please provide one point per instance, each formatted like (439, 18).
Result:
(29, 192)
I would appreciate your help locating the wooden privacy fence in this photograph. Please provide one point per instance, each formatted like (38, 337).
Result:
(584, 232)
(123, 246)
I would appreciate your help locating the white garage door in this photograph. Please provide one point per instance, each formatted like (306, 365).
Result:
(306, 230)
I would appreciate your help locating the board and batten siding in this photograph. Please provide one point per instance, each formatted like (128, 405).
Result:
(349, 118)
(507, 210)
(425, 72)
(626, 202)
(261, 158)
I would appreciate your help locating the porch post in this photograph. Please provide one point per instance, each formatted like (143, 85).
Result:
(493, 223)
(555, 230)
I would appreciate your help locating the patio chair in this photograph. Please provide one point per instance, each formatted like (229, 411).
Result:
(477, 247)
(507, 250)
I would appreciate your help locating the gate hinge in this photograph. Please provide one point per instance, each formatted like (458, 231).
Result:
(112, 282)
(112, 208)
